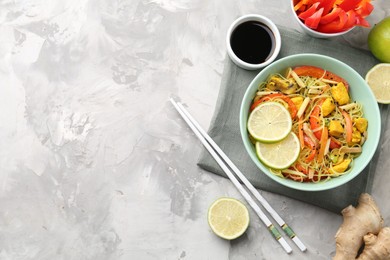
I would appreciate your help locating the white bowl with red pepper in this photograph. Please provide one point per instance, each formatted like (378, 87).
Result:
(331, 18)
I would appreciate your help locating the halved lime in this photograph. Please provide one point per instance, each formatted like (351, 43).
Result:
(269, 122)
(228, 218)
(378, 78)
(279, 155)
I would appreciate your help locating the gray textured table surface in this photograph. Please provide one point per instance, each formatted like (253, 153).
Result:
(94, 161)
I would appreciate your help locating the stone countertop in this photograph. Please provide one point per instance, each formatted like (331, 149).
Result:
(94, 161)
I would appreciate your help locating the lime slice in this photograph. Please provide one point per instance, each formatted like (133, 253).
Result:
(228, 218)
(279, 155)
(378, 78)
(269, 122)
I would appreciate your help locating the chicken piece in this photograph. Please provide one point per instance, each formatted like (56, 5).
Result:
(297, 101)
(361, 124)
(340, 93)
(277, 83)
(328, 106)
(335, 128)
(356, 136)
(341, 167)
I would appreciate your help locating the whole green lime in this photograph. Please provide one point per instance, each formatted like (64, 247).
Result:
(379, 40)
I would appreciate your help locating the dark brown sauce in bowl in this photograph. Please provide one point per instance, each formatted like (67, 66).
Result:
(252, 42)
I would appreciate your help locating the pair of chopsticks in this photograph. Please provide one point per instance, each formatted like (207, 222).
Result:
(222, 159)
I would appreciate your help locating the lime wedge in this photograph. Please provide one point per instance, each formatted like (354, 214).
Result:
(228, 218)
(269, 122)
(279, 155)
(378, 78)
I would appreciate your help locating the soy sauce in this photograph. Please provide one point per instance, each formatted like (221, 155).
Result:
(252, 42)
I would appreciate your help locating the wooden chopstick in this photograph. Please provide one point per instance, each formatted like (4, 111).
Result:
(272, 229)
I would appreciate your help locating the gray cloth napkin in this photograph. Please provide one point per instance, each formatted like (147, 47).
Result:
(224, 128)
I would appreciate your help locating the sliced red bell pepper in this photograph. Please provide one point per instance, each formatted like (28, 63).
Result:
(351, 19)
(309, 12)
(334, 143)
(347, 5)
(327, 5)
(324, 139)
(336, 16)
(314, 19)
(316, 72)
(360, 21)
(292, 107)
(300, 168)
(329, 17)
(298, 6)
(303, 8)
(255, 104)
(335, 26)
(315, 120)
(364, 8)
(312, 146)
(309, 2)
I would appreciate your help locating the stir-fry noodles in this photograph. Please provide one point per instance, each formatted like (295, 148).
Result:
(330, 126)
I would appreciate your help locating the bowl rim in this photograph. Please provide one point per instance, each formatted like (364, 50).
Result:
(374, 137)
(314, 32)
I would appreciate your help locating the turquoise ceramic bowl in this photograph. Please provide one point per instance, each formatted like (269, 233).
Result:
(359, 91)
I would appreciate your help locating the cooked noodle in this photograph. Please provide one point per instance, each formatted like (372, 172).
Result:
(317, 89)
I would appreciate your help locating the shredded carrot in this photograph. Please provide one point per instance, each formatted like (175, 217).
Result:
(300, 133)
(324, 139)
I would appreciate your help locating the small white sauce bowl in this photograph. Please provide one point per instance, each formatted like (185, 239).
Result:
(258, 18)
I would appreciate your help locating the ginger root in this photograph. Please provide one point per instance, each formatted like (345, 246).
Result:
(377, 247)
(358, 222)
